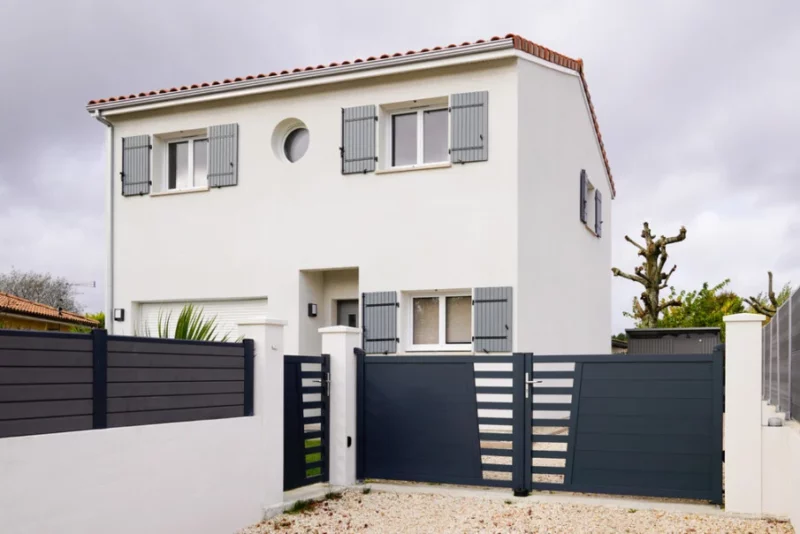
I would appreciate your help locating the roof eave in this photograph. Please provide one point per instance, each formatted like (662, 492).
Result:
(447, 53)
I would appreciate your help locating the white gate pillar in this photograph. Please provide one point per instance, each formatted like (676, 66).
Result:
(339, 342)
(742, 441)
(267, 336)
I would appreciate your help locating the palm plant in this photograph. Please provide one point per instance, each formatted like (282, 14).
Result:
(190, 325)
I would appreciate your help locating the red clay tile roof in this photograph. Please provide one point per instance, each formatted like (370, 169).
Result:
(21, 306)
(520, 43)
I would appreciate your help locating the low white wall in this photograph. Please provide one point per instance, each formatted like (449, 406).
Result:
(780, 475)
(198, 477)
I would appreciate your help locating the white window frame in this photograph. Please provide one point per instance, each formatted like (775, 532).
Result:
(591, 191)
(190, 140)
(442, 346)
(420, 136)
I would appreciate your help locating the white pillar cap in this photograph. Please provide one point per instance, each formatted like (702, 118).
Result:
(339, 330)
(263, 321)
(745, 318)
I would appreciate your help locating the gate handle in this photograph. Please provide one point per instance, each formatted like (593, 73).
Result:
(327, 382)
(528, 383)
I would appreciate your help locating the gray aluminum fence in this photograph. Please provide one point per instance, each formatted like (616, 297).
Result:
(54, 382)
(781, 359)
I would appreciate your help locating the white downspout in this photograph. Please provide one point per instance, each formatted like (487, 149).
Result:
(109, 304)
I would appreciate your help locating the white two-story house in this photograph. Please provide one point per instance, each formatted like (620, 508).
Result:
(447, 199)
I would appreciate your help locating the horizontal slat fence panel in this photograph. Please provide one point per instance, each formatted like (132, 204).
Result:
(58, 382)
(166, 346)
(173, 402)
(16, 393)
(45, 382)
(46, 375)
(37, 409)
(132, 374)
(127, 359)
(12, 339)
(149, 389)
(45, 358)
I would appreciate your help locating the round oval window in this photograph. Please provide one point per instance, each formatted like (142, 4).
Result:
(296, 144)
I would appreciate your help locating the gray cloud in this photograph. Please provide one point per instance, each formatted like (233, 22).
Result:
(696, 101)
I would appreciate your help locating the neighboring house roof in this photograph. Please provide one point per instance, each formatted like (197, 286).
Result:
(657, 332)
(619, 343)
(21, 306)
(518, 42)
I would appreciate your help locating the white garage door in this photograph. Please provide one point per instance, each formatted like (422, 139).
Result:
(227, 312)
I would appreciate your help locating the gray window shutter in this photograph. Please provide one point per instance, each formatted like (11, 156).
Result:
(223, 155)
(469, 127)
(135, 173)
(598, 213)
(358, 140)
(492, 309)
(584, 195)
(380, 322)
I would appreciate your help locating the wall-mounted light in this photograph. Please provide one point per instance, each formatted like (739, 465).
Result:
(119, 314)
(312, 310)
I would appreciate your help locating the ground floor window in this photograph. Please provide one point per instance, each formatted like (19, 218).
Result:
(441, 322)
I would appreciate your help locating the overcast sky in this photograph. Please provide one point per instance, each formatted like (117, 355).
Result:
(697, 103)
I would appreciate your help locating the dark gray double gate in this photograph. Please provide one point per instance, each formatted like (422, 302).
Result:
(306, 417)
(620, 424)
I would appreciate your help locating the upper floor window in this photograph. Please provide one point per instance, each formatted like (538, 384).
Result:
(187, 164)
(415, 134)
(419, 137)
(591, 205)
(185, 160)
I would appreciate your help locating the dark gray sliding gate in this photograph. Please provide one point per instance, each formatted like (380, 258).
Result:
(418, 419)
(631, 425)
(306, 417)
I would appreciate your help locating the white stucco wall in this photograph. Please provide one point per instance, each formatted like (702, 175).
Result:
(199, 477)
(564, 294)
(441, 228)
(780, 464)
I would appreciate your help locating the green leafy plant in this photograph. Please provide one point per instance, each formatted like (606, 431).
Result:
(366, 491)
(190, 325)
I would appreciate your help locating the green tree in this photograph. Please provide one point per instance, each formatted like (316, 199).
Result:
(701, 308)
(100, 317)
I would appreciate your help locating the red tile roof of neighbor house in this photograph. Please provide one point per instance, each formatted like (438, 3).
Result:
(520, 43)
(21, 306)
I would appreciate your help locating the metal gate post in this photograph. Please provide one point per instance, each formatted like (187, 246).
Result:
(325, 397)
(360, 436)
(521, 459)
(527, 423)
(717, 410)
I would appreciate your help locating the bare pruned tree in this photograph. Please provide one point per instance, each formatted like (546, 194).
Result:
(651, 275)
(768, 304)
(40, 287)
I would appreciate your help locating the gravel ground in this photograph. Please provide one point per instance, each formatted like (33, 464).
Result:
(407, 513)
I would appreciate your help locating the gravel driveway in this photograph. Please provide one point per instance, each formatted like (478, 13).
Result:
(407, 513)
